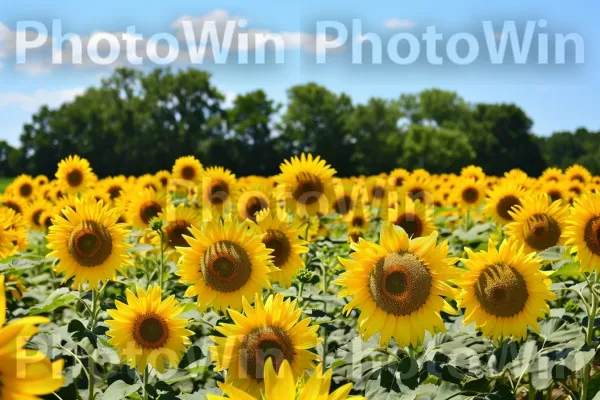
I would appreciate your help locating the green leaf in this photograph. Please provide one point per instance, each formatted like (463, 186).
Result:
(557, 330)
(59, 298)
(119, 390)
(553, 253)
(520, 364)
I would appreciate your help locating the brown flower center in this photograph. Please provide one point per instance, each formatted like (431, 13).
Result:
(542, 231)
(411, 223)
(188, 173)
(505, 205)
(501, 290)
(219, 192)
(150, 331)
(74, 178)
(470, 195)
(226, 266)
(25, 190)
(254, 205)
(279, 243)
(400, 283)
(343, 205)
(416, 193)
(591, 235)
(175, 231)
(149, 210)
(308, 189)
(114, 191)
(90, 244)
(264, 343)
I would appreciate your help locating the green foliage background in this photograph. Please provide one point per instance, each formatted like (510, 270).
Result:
(136, 123)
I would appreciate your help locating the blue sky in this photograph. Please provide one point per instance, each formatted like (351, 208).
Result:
(555, 97)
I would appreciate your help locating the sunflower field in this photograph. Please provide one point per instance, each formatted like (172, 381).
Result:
(197, 284)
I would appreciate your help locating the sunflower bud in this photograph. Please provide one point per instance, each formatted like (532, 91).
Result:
(156, 224)
(305, 276)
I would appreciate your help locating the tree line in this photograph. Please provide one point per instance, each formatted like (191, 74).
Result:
(136, 123)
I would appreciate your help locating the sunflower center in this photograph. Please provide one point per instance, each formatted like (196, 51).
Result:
(114, 191)
(505, 205)
(254, 205)
(416, 193)
(188, 173)
(554, 195)
(343, 205)
(74, 178)
(163, 181)
(399, 181)
(264, 343)
(48, 222)
(90, 244)
(378, 192)
(358, 222)
(13, 206)
(501, 290)
(577, 178)
(591, 235)
(470, 195)
(175, 231)
(25, 190)
(309, 188)
(149, 210)
(279, 243)
(226, 266)
(35, 217)
(411, 224)
(542, 231)
(575, 189)
(219, 192)
(400, 283)
(150, 331)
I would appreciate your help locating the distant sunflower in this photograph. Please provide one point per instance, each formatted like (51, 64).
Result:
(469, 193)
(418, 188)
(178, 222)
(148, 330)
(24, 187)
(218, 189)
(397, 177)
(516, 175)
(504, 290)
(74, 174)
(47, 216)
(88, 243)
(555, 191)
(345, 196)
(551, 175)
(41, 180)
(34, 211)
(187, 168)
(148, 181)
(8, 235)
(583, 232)
(145, 205)
(578, 173)
(359, 218)
(398, 285)
(307, 184)
(283, 237)
(225, 262)
(252, 200)
(502, 199)
(115, 186)
(163, 177)
(68, 200)
(283, 385)
(377, 191)
(538, 223)
(15, 203)
(270, 330)
(574, 189)
(414, 217)
(473, 172)
(25, 374)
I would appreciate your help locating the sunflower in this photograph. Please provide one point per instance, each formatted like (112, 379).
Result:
(177, 220)
(345, 196)
(225, 262)
(418, 187)
(398, 285)
(272, 329)
(551, 175)
(218, 189)
(24, 373)
(502, 199)
(574, 189)
(74, 174)
(13, 202)
(24, 187)
(8, 234)
(504, 290)
(88, 242)
(472, 172)
(583, 232)
(283, 238)
(377, 192)
(359, 219)
(538, 224)
(469, 193)
(145, 205)
(516, 175)
(414, 217)
(41, 180)
(187, 168)
(163, 177)
(282, 385)
(34, 211)
(555, 191)
(115, 186)
(148, 330)
(579, 174)
(307, 186)
(397, 177)
(252, 200)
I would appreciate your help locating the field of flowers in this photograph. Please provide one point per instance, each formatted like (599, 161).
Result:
(194, 283)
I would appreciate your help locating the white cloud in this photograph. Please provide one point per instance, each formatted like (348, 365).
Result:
(397, 23)
(38, 67)
(32, 102)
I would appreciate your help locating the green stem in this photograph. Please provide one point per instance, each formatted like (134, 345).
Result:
(162, 260)
(324, 290)
(91, 363)
(146, 374)
(300, 289)
(589, 341)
